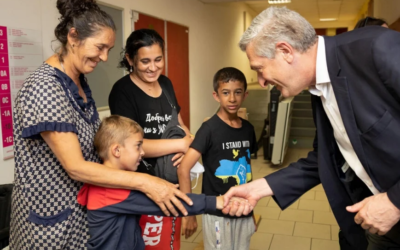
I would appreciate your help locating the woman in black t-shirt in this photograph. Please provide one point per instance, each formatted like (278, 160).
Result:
(139, 96)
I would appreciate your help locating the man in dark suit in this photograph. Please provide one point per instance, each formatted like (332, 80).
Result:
(354, 79)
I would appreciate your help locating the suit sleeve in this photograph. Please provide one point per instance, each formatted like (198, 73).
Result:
(292, 182)
(386, 55)
(138, 203)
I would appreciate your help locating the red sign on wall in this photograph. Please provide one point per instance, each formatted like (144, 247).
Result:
(5, 93)
(20, 54)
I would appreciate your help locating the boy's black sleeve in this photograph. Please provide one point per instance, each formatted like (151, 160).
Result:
(254, 146)
(202, 140)
(139, 203)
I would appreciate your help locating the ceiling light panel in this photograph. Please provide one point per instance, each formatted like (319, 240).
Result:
(278, 1)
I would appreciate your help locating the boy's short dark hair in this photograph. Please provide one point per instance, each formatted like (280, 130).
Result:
(229, 74)
(114, 129)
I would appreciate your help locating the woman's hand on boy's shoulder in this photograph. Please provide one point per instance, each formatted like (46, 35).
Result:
(165, 195)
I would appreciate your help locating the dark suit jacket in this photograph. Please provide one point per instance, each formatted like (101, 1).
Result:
(364, 68)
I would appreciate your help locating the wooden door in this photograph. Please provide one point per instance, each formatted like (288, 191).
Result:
(178, 66)
(148, 22)
(320, 32)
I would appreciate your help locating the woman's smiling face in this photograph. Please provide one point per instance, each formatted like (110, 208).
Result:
(149, 63)
(89, 52)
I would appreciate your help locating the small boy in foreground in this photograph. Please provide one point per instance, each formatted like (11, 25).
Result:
(113, 214)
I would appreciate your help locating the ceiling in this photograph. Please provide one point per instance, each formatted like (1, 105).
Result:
(345, 11)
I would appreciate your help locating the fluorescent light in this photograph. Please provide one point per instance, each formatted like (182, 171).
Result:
(327, 19)
(278, 1)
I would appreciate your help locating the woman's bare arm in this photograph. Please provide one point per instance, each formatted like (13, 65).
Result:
(67, 150)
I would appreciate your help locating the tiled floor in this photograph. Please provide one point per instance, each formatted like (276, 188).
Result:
(307, 224)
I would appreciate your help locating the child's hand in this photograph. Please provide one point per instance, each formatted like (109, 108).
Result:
(237, 199)
(177, 159)
(189, 226)
(220, 202)
(234, 200)
(243, 204)
(185, 142)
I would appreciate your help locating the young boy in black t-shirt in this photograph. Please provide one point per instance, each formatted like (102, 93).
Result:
(225, 143)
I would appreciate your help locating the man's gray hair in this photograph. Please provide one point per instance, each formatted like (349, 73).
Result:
(278, 24)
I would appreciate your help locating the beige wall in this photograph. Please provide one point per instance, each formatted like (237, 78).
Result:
(387, 9)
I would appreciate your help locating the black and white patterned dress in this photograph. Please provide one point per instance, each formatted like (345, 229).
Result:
(45, 213)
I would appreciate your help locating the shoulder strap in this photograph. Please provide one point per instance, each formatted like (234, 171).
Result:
(167, 94)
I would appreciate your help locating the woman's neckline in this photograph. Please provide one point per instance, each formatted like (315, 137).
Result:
(74, 88)
(141, 89)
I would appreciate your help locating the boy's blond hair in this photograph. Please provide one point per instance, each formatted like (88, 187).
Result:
(114, 129)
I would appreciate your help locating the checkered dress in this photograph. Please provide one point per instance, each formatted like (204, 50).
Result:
(45, 213)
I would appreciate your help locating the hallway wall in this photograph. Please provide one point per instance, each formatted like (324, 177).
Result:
(387, 9)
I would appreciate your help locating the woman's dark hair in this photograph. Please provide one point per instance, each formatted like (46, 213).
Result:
(138, 39)
(85, 16)
(368, 21)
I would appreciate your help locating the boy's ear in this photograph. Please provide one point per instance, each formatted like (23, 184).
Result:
(216, 97)
(115, 150)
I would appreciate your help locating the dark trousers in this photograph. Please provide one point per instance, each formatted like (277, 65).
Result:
(376, 242)
(390, 241)
(344, 244)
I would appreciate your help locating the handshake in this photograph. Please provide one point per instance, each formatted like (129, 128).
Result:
(235, 206)
(241, 200)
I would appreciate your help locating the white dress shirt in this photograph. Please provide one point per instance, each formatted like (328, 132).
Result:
(323, 88)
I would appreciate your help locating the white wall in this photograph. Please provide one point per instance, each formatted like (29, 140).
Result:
(387, 9)
(215, 31)
(9, 11)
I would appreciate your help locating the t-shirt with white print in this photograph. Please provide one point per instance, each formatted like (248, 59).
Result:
(226, 155)
(152, 114)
